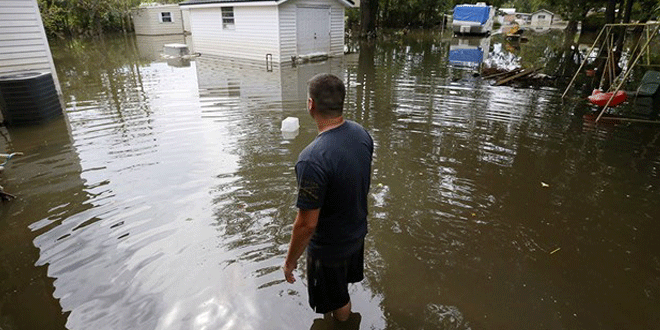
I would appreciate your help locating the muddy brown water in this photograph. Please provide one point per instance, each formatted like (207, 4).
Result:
(165, 198)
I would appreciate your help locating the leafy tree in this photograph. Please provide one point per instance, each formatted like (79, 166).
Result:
(86, 17)
(413, 13)
(368, 13)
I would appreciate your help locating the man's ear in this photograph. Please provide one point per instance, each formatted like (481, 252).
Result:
(311, 106)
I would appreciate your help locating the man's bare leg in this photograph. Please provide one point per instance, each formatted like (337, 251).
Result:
(342, 313)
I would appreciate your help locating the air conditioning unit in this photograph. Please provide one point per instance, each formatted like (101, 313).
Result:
(29, 98)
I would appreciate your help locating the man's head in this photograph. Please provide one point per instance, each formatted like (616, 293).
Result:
(327, 93)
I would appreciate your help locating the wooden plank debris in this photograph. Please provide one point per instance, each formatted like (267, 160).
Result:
(521, 74)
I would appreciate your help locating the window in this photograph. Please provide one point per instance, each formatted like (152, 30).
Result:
(227, 18)
(541, 16)
(166, 17)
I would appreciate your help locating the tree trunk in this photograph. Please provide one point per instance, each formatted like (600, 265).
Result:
(385, 19)
(569, 33)
(368, 11)
(628, 12)
(604, 66)
(622, 34)
(619, 14)
(609, 11)
(637, 37)
(567, 66)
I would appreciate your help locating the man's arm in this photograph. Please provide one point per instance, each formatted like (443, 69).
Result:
(303, 229)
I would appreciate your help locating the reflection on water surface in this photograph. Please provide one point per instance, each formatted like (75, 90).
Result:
(166, 199)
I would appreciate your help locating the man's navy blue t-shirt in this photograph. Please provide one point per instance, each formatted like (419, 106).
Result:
(334, 173)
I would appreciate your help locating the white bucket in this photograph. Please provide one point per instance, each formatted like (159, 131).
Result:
(290, 124)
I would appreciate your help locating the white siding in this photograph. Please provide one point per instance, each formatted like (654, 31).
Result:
(185, 16)
(23, 43)
(146, 20)
(287, 18)
(254, 34)
(542, 18)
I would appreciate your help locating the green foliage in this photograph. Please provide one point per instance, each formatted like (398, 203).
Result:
(352, 16)
(85, 17)
(593, 22)
(646, 10)
(412, 13)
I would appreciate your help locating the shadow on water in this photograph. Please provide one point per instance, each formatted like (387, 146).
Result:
(48, 186)
(166, 199)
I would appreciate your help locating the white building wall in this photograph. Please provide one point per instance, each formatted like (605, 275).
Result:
(255, 33)
(287, 23)
(337, 30)
(542, 19)
(23, 43)
(185, 14)
(146, 20)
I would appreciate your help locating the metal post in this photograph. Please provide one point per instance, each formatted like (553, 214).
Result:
(648, 51)
(269, 62)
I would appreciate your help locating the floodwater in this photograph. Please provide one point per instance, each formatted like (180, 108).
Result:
(165, 198)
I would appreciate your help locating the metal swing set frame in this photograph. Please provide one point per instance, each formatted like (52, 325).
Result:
(651, 31)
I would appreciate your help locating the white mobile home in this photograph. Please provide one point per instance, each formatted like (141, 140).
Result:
(523, 19)
(156, 19)
(29, 89)
(23, 43)
(542, 18)
(256, 29)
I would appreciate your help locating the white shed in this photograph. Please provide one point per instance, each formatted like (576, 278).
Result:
(542, 18)
(157, 19)
(255, 29)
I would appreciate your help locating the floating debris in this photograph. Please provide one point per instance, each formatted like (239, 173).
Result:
(516, 75)
(8, 157)
(555, 250)
(445, 317)
(5, 196)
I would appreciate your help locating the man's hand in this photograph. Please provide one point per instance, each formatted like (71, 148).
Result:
(288, 271)
(303, 229)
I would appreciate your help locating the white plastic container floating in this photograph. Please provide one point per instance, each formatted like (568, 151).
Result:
(289, 135)
(290, 124)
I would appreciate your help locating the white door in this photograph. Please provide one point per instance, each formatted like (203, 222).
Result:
(313, 30)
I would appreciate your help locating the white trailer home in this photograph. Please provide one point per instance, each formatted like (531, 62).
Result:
(157, 19)
(23, 43)
(29, 89)
(542, 18)
(473, 19)
(255, 30)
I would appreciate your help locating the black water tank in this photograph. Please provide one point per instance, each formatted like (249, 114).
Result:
(29, 98)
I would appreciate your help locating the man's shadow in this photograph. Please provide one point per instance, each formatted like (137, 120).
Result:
(329, 323)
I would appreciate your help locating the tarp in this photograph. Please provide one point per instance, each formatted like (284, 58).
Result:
(471, 13)
(466, 56)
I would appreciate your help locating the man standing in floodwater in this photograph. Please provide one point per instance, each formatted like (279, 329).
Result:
(334, 174)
